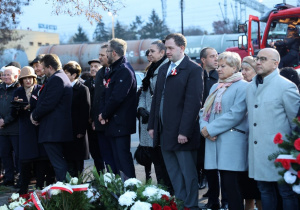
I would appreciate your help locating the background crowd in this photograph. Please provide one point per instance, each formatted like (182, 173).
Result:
(214, 122)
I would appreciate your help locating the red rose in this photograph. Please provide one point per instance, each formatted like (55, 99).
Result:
(156, 206)
(285, 164)
(173, 206)
(298, 159)
(167, 208)
(165, 197)
(278, 139)
(297, 144)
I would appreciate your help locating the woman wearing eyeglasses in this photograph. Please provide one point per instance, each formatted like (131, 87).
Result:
(224, 125)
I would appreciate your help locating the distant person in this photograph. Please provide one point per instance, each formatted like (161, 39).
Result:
(53, 114)
(9, 126)
(15, 64)
(77, 151)
(272, 104)
(174, 121)
(248, 68)
(291, 74)
(104, 145)
(118, 105)
(38, 68)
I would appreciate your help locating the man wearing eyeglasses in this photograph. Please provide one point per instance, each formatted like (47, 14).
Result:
(118, 105)
(272, 103)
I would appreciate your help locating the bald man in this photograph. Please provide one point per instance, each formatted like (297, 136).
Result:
(272, 103)
(9, 127)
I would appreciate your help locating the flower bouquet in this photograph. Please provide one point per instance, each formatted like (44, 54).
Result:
(288, 157)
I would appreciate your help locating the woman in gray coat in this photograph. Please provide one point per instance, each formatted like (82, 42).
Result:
(224, 125)
(158, 58)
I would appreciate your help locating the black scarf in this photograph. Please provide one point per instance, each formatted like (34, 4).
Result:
(150, 72)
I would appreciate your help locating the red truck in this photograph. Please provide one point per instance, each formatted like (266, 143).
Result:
(270, 28)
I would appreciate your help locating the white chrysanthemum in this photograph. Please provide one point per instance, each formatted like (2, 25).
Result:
(55, 192)
(162, 192)
(22, 201)
(93, 194)
(289, 177)
(150, 191)
(296, 189)
(141, 205)
(4, 207)
(132, 181)
(14, 205)
(15, 196)
(127, 199)
(74, 181)
(108, 177)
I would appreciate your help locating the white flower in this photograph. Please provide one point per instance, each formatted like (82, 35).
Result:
(108, 177)
(289, 177)
(162, 192)
(127, 199)
(141, 205)
(296, 189)
(93, 194)
(150, 191)
(22, 200)
(74, 181)
(55, 192)
(4, 207)
(14, 205)
(15, 196)
(132, 181)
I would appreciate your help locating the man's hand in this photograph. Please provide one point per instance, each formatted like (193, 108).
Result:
(151, 132)
(1, 123)
(182, 139)
(101, 120)
(93, 125)
(79, 136)
(33, 121)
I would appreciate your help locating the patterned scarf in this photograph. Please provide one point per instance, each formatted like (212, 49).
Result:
(216, 96)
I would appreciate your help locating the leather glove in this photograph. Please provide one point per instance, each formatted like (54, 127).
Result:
(144, 114)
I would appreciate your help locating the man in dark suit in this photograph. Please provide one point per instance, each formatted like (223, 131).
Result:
(118, 105)
(174, 119)
(53, 114)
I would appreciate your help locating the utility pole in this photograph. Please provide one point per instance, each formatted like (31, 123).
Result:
(181, 5)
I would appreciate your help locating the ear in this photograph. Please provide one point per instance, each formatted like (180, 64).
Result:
(182, 48)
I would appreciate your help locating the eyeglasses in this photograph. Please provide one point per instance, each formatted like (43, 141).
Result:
(262, 59)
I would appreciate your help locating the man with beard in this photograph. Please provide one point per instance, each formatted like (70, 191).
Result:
(118, 105)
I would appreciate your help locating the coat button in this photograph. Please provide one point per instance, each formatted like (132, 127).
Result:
(254, 124)
(255, 142)
(255, 106)
(119, 131)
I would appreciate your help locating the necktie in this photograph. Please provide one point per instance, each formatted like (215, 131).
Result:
(106, 70)
(172, 67)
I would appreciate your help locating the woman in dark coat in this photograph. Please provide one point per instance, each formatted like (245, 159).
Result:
(77, 150)
(30, 151)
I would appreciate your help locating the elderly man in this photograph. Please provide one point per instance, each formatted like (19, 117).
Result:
(118, 105)
(53, 114)
(174, 118)
(272, 103)
(9, 127)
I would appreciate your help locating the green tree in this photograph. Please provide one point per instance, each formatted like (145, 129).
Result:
(80, 36)
(135, 28)
(155, 28)
(101, 33)
(120, 31)
(194, 31)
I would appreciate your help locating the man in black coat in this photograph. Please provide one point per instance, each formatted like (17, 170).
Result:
(118, 105)
(104, 145)
(53, 114)
(174, 119)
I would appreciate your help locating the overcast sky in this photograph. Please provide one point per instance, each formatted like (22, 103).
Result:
(200, 13)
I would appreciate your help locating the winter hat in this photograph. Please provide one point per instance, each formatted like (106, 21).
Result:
(27, 71)
(249, 61)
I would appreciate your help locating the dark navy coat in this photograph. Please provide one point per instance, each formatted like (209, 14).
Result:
(118, 101)
(53, 110)
(78, 149)
(29, 148)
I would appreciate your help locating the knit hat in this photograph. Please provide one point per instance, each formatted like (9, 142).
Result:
(250, 61)
(27, 71)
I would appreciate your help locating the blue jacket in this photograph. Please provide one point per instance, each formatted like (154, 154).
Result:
(53, 110)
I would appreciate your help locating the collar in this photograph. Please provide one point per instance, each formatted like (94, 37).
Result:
(74, 82)
(178, 62)
(267, 79)
(212, 74)
(11, 85)
(118, 62)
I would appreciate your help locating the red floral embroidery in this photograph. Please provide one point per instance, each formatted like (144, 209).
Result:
(278, 139)
(297, 144)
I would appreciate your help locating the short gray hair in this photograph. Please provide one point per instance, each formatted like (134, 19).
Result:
(119, 46)
(232, 59)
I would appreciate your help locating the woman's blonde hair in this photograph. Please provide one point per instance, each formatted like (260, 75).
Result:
(232, 59)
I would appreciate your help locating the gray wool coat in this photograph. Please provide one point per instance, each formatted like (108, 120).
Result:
(145, 102)
(272, 106)
(229, 151)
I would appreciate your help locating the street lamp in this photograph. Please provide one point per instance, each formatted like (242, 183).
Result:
(112, 23)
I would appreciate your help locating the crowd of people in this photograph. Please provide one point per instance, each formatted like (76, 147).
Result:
(212, 121)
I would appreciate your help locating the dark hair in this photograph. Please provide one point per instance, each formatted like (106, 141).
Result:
(179, 39)
(161, 46)
(147, 52)
(291, 74)
(22, 83)
(51, 60)
(104, 46)
(119, 46)
(73, 68)
(203, 52)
